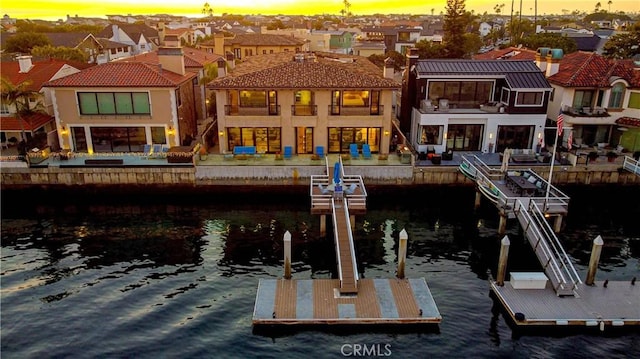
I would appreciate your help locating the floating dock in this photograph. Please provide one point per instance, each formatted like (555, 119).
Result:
(318, 301)
(617, 304)
(348, 299)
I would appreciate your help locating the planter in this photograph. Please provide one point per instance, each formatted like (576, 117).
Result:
(592, 156)
(611, 156)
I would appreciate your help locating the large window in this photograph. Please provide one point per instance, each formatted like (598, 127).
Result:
(341, 137)
(462, 94)
(431, 135)
(617, 94)
(351, 98)
(634, 100)
(118, 139)
(265, 139)
(252, 98)
(514, 137)
(583, 98)
(114, 103)
(464, 137)
(529, 98)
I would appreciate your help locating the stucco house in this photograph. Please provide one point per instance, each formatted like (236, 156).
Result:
(121, 106)
(305, 101)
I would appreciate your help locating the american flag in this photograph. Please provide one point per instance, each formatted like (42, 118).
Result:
(560, 122)
(570, 140)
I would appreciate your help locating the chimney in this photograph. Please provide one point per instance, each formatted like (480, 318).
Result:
(541, 58)
(222, 67)
(218, 43)
(553, 61)
(412, 57)
(231, 60)
(25, 63)
(172, 59)
(388, 68)
(116, 33)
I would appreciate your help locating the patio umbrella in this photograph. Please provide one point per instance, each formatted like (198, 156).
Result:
(505, 160)
(336, 173)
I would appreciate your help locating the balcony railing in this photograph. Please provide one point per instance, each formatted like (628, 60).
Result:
(356, 111)
(273, 110)
(585, 111)
(304, 110)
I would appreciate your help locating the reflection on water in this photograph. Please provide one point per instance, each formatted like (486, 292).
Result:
(186, 271)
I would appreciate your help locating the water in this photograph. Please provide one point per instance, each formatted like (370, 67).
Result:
(91, 276)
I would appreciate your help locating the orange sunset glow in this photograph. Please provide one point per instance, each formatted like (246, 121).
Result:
(53, 10)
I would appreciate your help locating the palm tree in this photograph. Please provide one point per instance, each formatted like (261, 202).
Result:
(207, 9)
(609, 3)
(17, 96)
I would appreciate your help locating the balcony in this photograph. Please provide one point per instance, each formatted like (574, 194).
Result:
(585, 111)
(304, 110)
(273, 110)
(356, 111)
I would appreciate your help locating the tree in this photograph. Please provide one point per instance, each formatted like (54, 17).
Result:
(18, 96)
(430, 50)
(472, 43)
(554, 41)
(24, 42)
(609, 3)
(207, 9)
(454, 28)
(60, 53)
(623, 45)
(598, 6)
(276, 25)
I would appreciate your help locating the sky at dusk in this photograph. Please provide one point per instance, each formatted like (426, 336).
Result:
(53, 10)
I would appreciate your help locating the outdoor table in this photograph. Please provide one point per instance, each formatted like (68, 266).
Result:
(521, 186)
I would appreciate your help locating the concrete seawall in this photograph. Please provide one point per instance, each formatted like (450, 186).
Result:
(200, 176)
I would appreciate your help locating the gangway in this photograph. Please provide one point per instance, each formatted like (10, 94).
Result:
(554, 260)
(631, 165)
(341, 196)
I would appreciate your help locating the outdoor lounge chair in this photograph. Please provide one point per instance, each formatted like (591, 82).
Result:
(353, 149)
(366, 151)
(146, 151)
(351, 189)
(288, 151)
(322, 189)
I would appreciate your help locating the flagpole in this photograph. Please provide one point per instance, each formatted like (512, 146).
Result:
(553, 158)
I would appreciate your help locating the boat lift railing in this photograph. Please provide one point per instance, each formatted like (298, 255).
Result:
(554, 260)
(631, 165)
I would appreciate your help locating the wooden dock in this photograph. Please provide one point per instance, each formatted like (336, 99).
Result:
(348, 299)
(617, 304)
(318, 301)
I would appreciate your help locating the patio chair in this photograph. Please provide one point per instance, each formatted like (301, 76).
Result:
(320, 151)
(353, 149)
(146, 151)
(322, 189)
(156, 151)
(366, 151)
(288, 151)
(351, 189)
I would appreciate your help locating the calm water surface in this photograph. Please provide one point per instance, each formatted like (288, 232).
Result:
(175, 277)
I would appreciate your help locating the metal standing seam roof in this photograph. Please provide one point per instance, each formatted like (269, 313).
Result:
(519, 74)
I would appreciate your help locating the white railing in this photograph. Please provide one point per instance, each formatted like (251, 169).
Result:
(336, 239)
(547, 247)
(631, 165)
(352, 249)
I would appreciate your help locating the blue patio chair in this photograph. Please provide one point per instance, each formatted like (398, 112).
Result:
(353, 149)
(322, 189)
(320, 151)
(288, 152)
(366, 151)
(146, 151)
(156, 151)
(351, 189)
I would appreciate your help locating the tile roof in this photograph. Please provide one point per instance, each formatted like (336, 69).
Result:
(263, 40)
(628, 121)
(511, 53)
(122, 74)
(520, 74)
(326, 72)
(41, 72)
(588, 69)
(29, 122)
(193, 58)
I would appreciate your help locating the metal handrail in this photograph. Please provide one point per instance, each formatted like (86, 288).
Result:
(337, 240)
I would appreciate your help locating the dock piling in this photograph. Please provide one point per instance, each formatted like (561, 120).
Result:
(502, 261)
(287, 255)
(594, 260)
(402, 253)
